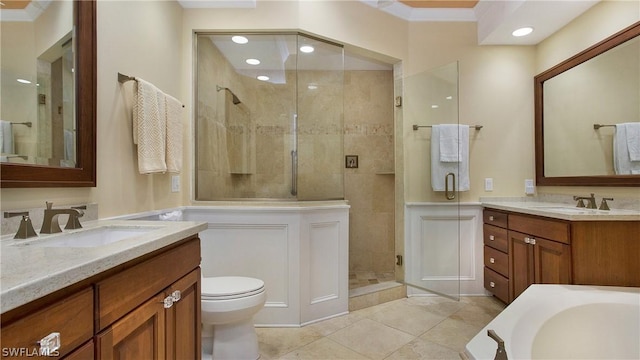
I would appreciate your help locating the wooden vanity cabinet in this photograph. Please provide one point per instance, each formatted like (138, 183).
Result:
(496, 254)
(148, 308)
(152, 310)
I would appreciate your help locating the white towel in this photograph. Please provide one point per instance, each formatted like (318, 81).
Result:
(6, 137)
(174, 134)
(453, 141)
(440, 169)
(150, 128)
(622, 163)
(633, 140)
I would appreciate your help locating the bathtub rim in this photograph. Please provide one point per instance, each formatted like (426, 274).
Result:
(540, 295)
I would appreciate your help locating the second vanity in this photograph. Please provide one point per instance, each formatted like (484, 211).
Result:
(101, 291)
(545, 243)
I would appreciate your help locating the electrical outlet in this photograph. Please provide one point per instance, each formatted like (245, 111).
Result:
(529, 189)
(488, 184)
(175, 183)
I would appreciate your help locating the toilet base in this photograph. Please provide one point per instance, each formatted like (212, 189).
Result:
(236, 341)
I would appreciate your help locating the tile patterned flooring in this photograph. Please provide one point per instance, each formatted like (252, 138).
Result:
(408, 328)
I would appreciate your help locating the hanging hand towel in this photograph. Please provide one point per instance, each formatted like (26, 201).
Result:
(6, 137)
(150, 128)
(440, 169)
(622, 163)
(454, 142)
(174, 134)
(633, 140)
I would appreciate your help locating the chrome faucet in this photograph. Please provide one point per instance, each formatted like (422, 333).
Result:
(25, 230)
(50, 224)
(591, 201)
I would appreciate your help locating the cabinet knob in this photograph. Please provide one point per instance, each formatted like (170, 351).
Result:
(492, 284)
(491, 237)
(492, 260)
(50, 344)
(168, 302)
(532, 241)
(527, 240)
(176, 295)
(490, 217)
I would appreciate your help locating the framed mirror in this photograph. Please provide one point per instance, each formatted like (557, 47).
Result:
(579, 105)
(53, 133)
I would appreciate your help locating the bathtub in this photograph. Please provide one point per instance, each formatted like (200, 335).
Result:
(299, 249)
(565, 322)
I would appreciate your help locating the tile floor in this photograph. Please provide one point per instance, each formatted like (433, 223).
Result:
(408, 328)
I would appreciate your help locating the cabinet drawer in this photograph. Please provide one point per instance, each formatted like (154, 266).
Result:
(497, 284)
(496, 261)
(496, 237)
(123, 292)
(494, 217)
(546, 228)
(72, 317)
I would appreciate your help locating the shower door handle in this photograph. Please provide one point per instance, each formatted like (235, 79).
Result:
(294, 172)
(450, 194)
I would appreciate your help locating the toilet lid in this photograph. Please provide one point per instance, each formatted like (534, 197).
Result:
(230, 287)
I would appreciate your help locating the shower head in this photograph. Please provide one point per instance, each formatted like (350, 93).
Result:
(235, 99)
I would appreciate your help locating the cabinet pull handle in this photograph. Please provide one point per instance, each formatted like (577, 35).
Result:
(50, 344)
(527, 240)
(491, 237)
(176, 295)
(492, 260)
(492, 284)
(532, 242)
(491, 218)
(168, 302)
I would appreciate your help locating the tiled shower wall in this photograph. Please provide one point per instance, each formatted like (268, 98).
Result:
(369, 127)
(368, 133)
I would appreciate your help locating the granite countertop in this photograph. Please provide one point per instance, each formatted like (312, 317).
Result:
(564, 211)
(29, 270)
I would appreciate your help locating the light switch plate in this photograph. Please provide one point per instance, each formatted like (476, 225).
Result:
(175, 183)
(529, 188)
(488, 184)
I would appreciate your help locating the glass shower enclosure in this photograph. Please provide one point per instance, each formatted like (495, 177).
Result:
(269, 117)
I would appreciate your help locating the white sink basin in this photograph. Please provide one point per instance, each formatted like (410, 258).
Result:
(566, 209)
(91, 237)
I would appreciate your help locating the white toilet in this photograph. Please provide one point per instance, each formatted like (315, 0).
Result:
(228, 305)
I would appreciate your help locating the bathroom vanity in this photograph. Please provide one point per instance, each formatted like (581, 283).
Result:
(536, 243)
(134, 298)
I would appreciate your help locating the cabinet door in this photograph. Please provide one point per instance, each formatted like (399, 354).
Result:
(138, 335)
(521, 263)
(183, 319)
(552, 262)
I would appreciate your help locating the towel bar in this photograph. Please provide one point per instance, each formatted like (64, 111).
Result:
(122, 78)
(27, 124)
(416, 127)
(598, 126)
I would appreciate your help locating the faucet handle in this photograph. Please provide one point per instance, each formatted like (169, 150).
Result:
(49, 204)
(604, 205)
(25, 230)
(74, 221)
(580, 203)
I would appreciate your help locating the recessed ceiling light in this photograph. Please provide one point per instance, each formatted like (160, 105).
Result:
(522, 31)
(238, 39)
(312, 86)
(263, 77)
(306, 48)
(253, 61)
(23, 81)
(449, 97)
(434, 106)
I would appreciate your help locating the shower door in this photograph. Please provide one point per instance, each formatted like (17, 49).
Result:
(268, 117)
(432, 248)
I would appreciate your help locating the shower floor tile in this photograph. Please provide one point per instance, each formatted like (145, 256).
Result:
(359, 279)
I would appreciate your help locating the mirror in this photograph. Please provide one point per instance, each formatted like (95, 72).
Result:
(577, 106)
(52, 120)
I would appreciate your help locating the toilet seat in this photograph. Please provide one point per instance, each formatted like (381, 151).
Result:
(230, 287)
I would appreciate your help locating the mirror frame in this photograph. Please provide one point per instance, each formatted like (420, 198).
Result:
(593, 51)
(84, 174)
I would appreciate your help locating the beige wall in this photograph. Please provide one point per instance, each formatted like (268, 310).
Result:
(153, 40)
(600, 22)
(137, 38)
